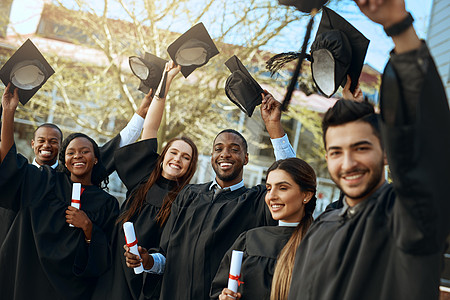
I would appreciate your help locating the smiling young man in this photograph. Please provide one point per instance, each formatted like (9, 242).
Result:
(387, 240)
(207, 218)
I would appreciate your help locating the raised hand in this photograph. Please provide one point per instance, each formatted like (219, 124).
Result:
(384, 12)
(172, 69)
(10, 99)
(348, 95)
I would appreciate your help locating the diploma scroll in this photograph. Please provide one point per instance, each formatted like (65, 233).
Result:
(130, 238)
(76, 197)
(235, 270)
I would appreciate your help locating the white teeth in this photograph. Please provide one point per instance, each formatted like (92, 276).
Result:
(45, 152)
(225, 164)
(276, 206)
(78, 164)
(174, 166)
(353, 177)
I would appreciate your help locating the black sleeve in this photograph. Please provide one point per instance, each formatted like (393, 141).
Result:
(136, 161)
(20, 182)
(107, 153)
(416, 129)
(221, 279)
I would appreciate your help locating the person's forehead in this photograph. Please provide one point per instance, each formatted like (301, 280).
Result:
(181, 146)
(349, 134)
(47, 132)
(228, 138)
(80, 142)
(278, 176)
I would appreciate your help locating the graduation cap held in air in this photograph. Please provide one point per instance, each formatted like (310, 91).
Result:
(192, 49)
(338, 49)
(241, 88)
(149, 70)
(308, 6)
(27, 70)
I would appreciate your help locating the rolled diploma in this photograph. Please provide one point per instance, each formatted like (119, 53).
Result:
(235, 269)
(130, 237)
(76, 196)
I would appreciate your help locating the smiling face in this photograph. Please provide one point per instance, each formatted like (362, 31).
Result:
(355, 160)
(80, 160)
(284, 197)
(228, 159)
(46, 144)
(176, 160)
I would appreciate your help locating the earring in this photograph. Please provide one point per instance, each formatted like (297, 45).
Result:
(304, 200)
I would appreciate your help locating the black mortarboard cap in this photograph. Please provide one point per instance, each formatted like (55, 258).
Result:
(148, 69)
(304, 5)
(339, 49)
(192, 49)
(27, 70)
(241, 88)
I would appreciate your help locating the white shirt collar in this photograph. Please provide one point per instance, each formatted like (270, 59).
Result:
(232, 188)
(286, 224)
(34, 163)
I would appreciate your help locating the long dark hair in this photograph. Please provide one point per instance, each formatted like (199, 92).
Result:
(305, 177)
(137, 198)
(99, 175)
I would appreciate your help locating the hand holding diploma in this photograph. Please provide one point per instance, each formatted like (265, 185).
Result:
(132, 247)
(228, 294)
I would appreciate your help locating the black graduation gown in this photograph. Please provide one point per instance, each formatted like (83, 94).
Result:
(261, 247)
(107, 154)
(200, 230)
(42, 257)
(392, 247)
(134, 164)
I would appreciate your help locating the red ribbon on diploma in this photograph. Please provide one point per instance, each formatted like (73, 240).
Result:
(232, 277)
(131, 244)
(78, 201)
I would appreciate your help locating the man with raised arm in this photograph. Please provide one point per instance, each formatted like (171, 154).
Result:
(387, 240)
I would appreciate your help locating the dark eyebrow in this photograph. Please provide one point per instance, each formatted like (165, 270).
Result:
(351, 146)
(361, 143)
(279, 183)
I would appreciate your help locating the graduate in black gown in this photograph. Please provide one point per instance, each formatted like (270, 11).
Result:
(207, 218)
(387, 240)
(42, 257)
(269, 251)
(153, 181)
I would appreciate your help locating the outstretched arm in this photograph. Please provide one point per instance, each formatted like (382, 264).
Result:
(271, 115)
(156, 109)
(415, 128)
(10, 100)
(388, 13)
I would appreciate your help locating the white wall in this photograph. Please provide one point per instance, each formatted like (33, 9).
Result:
(438, 39)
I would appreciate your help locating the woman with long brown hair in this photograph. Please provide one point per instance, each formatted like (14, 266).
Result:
(269, 251)
(153, 182)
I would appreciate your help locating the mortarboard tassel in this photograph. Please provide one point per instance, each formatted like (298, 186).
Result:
(301, 57)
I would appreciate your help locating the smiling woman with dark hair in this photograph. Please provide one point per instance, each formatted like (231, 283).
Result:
(269, 251)
(153, 181)
(42, 257)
